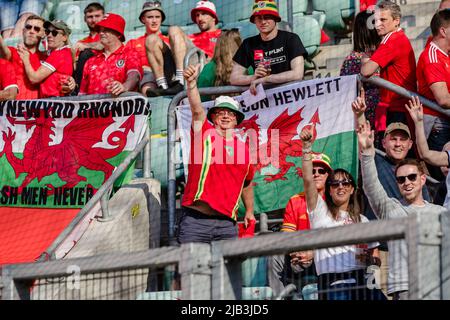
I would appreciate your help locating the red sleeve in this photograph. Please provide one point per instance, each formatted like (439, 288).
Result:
(435, 72)
(54, 61)
(250, 174)
(385, 54)
(289, 218)
(134, 62)
(7, 76)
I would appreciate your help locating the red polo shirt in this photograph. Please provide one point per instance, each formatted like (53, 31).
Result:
(433, 66)
(395, 56)
(60, 63)
(7, 75)
(218, 170)
(139, 45)
(296, 214)
(89, 39)
(27, 90)
(206, 41)
(99, 70)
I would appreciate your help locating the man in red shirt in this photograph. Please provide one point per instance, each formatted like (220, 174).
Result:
(115, 69)
(33, 32)
(433, 78)
(395, 57)
(153, 48)
(205, 16)
(8, 83)
(87, 47)
(219, 169)
(285, 268)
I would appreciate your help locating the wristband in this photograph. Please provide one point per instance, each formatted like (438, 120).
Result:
(307, 156)
(307, 150)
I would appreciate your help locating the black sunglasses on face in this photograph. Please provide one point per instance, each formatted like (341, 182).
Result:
(53, 32)
(344, 183)
(402, 179)
(319, 171)
(35, 28)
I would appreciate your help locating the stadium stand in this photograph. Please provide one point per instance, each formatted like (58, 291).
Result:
(339, 13)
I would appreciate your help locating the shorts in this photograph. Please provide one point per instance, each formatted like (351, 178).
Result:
(10, 11)
(169, 68)
(195, 226)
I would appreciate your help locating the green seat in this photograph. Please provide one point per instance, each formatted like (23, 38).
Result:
(178, 12)
(72, 12)
(254, 272)
(339, 13)
(246, 28)
(298, 6)
(308, 29)
(128, 9)
(234, 10)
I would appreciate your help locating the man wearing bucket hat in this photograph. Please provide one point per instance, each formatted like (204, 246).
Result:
(277, 56)
(205, 16)
(296, 267)
(220, 171)
(57, 67)
(115, 69)
(153, 48)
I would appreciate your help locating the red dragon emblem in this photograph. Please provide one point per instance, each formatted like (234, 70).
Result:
(280, 143)
(76, 150)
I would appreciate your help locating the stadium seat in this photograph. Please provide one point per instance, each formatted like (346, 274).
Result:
(128, 9)
(234, 10)
(339, 13)
(298, 6)
(308, 29)
(246, 29)
(254, 272)
(72, 12)
(178, 12)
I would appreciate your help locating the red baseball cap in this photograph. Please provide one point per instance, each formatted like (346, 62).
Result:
(207, 6)
(114, 22)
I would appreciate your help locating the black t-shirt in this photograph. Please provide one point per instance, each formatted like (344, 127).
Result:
(280, 51)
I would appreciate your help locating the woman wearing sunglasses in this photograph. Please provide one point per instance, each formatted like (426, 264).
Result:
(340, 269)
(58, 67)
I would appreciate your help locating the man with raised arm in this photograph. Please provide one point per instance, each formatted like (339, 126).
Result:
(220, 170)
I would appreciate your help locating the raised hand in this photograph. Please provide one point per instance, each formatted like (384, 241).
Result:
(359, 105)
(307, 135)
(365, 136)
(191, 73)
(415, 109)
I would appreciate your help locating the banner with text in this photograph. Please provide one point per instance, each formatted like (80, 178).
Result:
(272, 126)
(57, 153)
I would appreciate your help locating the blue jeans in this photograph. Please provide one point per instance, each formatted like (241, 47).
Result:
(10, 11)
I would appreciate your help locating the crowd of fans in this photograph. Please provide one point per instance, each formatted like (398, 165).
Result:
(153, 64)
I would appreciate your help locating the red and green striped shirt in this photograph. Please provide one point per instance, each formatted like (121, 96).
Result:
(218, 170)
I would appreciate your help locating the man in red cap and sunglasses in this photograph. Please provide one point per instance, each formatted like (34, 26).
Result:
(277, 56)
(116, 69)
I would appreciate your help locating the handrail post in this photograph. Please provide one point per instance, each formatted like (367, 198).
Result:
(147, 154)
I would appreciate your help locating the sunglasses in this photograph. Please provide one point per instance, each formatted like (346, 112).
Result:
(344, 183)
(52, 32)
(319, 171)
(402, 179)
(35, 28)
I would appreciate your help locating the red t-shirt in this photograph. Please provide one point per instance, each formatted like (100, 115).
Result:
(60, 62)
(395, 56)
(433, 66)
(218, 170)
(100, 70)
(206, 41)
(139, 45)
(7, 75)
(296, 214)
(27, 90)
(89, 39)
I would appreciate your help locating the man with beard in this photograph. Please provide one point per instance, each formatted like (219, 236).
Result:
(32, 34)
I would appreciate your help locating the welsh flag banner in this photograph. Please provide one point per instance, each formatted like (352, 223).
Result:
(57, 153)
(54, 155)
(272, 126)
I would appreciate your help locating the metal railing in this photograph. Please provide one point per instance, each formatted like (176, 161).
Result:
(214, 271)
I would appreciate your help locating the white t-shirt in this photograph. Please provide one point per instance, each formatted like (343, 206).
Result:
(447, 197)
(338, 259)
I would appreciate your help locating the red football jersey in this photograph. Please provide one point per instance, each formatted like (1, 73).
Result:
(61, 63)
(7, 75)
(218, 169)
(433, 66)
(296, 214)
(206, 41)
(27, 90)
(100, 70)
